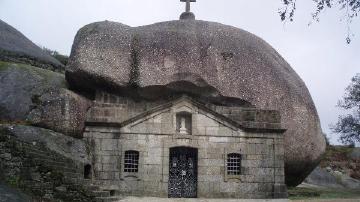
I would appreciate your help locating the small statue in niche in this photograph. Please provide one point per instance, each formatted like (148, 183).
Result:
(183, 120)
(183, 129)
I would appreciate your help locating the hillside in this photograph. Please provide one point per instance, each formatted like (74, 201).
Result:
(15, 47)
(342, 159)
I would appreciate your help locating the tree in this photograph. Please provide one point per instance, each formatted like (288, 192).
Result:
(350, 7)
(327, 139)
(61, 58)
(348, 126)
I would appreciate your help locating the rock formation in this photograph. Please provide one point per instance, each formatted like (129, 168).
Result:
(340, 168)
(34, 94)
(15, 47)
(204, 59)
(44, 164)
(40, 99)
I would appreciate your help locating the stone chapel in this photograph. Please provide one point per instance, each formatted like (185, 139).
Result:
(164, 123)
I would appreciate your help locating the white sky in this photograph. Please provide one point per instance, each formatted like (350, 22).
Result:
(318, 53)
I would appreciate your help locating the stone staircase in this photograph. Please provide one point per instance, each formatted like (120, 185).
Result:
(99, 194)
(72, 174)
(47, 174)
(29, 164)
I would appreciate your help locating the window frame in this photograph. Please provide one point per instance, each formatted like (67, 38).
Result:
(133, 158)
(233, 164)
(227, 174)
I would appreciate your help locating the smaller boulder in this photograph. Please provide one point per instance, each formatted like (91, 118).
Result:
(63, 111)
(322, 177)
(332, 179)
(35, 96)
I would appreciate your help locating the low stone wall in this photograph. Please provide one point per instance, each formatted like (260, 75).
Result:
(28, 163)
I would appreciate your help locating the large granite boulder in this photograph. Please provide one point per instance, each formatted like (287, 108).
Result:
(31, 95)
(15, 47)
(205, 59)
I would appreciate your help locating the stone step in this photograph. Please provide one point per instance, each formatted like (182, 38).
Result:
(113, 192)
(73, 180)
(108, 199)
(87, 183)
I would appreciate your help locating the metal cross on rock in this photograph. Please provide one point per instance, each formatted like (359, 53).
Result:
(188, 4)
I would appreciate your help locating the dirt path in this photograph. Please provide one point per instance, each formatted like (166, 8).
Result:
(149, 199)
(329, 200)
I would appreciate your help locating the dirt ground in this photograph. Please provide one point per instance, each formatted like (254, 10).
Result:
(135, 199)
(148, 199)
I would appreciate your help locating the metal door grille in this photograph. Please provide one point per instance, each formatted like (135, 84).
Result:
(183, 173)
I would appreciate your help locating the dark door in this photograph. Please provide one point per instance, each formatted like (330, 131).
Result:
(183, 172)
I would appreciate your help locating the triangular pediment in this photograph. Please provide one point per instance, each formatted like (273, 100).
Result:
(163, 119)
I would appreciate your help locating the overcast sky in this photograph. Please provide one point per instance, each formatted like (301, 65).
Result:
(318, 53)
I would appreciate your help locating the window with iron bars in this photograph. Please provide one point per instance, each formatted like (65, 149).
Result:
(233, 164)
(131, 161)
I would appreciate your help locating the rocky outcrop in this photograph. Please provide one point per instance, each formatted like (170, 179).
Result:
(326, 177)
(30, 95)
(205, 59)
(63, 111)
(340, 168)
(65, 146)
(321, 177)
(15, 47)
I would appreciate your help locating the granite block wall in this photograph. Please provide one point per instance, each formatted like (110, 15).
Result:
(154, 135)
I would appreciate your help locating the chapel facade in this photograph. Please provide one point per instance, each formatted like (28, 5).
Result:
(184, 147)
(162, 127)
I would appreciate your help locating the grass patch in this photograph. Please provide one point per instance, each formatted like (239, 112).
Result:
(48, 76)
(301, 193)
(3, 66)
(338, 153)
(13, 181)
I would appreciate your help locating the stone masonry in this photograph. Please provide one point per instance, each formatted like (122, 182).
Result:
(118, 124)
